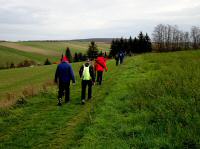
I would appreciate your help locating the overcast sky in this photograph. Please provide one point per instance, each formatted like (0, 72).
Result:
(75, 19)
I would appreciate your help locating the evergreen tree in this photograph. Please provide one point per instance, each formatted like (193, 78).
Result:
(148, 45)
(47, 62)
(121, 44)
(141, 43)
(134, 46)
(105, 54)
(129, 47)
(92, 50)
(80, 56)
(76, 59)
(12, 65)
(68, 54)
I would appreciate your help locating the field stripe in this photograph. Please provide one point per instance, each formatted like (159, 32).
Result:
(29, 49)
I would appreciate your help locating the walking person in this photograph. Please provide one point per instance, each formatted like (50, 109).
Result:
(86, 72)
(117, 59)
(121, 56)
(100, 65)
(64, 74)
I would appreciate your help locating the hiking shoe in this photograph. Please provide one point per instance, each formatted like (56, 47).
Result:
(68, 101)
(83, 102)
(59, 104)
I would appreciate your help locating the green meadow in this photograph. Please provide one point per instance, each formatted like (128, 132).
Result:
(13, 55)
(150, 101)
(10, 55)
(75, 46)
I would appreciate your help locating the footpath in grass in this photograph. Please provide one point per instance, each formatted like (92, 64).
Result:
(151, 101)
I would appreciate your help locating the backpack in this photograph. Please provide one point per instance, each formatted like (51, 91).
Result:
(86, 73)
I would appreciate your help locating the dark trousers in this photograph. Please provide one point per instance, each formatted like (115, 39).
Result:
(117, 61)
(99, 77)
(64, 90)
(121, 60)
(86, 83)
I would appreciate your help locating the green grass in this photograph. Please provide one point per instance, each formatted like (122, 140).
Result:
(75, 46)
(9, 55)
(15, 80)
(151, 101)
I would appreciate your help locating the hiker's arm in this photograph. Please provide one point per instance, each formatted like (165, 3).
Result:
(72, 74)
(105, 66)
(92, 74)
(81, 72)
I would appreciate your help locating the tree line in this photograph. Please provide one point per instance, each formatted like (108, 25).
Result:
(171, 38)
(140, 44)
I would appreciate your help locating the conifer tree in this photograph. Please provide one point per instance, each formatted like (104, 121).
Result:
(76, 57)
(148, 45)
(68, 54)
(92, 50)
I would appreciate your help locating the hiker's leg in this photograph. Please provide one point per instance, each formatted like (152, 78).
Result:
(84, 83)
(67, 92)
(89, 89)
(60, 92)
(100, 77)
(121, 60)
(97, 77)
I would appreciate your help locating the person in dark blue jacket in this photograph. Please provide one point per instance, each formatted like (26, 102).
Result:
(64, 74)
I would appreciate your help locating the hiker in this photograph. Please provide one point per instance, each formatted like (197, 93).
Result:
(86, 72)
(121, 56)
(63, 75)
(100, 65)
(117, 59)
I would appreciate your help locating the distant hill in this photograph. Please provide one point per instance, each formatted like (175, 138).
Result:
(106, 40)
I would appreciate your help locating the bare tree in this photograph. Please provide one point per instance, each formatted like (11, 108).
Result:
(195, 37)
(158, 36)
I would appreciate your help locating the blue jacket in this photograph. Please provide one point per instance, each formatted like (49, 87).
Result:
(64, 73)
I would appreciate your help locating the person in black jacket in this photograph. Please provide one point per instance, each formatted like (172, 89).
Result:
(63, 75)
(87, 74)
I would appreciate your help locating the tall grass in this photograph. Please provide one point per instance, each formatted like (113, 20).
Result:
(154, 104)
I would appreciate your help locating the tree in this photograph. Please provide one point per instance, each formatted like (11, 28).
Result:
(130, 46)
(92, 50)
(105, 54)
(47, 62)
(148, 47)
(76, 59)
(12, 65)
(68, 54)
(195, 37)
(141, 43)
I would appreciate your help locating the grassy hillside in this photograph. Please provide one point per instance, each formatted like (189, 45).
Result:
(9, 55)
(14, 81)
(75, 46)
(53, 50)
(151, 101)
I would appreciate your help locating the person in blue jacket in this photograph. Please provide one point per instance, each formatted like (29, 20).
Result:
(64, 74)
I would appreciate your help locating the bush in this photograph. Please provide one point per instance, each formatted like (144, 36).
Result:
(47, 62)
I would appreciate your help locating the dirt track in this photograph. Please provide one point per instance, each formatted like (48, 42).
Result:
(28, 49)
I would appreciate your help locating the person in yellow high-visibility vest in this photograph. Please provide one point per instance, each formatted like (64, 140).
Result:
(86, 72)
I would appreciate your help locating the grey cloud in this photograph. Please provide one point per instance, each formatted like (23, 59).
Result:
(21, 15)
